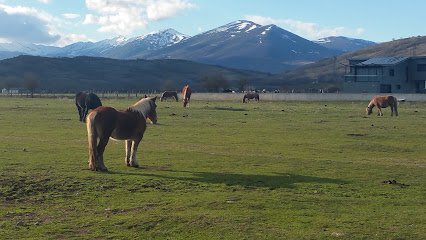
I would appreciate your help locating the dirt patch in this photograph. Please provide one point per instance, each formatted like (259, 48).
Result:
(230, 109)
(38, 189)
(394, 182)
(356, 134)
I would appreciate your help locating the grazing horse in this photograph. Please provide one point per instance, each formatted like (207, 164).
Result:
(84, 102)
(383, 102)
(169, 94)
(186, 95)
(250, 95)
(129, 125)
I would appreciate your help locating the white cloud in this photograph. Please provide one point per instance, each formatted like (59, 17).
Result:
(306, 29)
(70, 15)
(26, 25)
(125, 16)
(44, 1)
(164, 9)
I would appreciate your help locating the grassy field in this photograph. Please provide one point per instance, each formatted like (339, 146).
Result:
(218, 170)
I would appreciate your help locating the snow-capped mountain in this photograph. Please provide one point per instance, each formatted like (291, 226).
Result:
(121, 47)
(344, 44)
(246, 45)
(94, 49)
(27, 48)
(240, 44)
(142, 45)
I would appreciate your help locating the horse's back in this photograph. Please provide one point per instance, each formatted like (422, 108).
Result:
(385, 101)
(103, 115)
(93, 101)
(168, 94)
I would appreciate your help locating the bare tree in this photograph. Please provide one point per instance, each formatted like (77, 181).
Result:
(169, 85)
(242, 84)
(31, 83)
(214, 83)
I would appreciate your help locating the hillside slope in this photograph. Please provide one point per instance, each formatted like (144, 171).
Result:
(71, 74)
(330, 71)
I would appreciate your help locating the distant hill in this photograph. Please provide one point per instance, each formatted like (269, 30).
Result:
(330, 71)
(8, 54)
(84, 73)
(246, 45)
(344, 44)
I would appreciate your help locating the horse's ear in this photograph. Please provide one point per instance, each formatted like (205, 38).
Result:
(154, 98)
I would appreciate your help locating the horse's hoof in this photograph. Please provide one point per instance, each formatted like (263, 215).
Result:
(102, 169)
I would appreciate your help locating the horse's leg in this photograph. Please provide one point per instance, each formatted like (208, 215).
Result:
(133, 161)
(80, 113)
(396, 108)
(391, 107)
(128, 146)
(99, 164)
(379, 112)
(93, 143)
(85, 111)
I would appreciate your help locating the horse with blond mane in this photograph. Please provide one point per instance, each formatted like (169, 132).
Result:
(129, 125)
(383, 102)
(186, 95)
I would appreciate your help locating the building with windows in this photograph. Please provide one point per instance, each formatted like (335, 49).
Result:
(386, 75)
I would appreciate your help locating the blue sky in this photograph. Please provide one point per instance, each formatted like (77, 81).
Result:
(61, 22)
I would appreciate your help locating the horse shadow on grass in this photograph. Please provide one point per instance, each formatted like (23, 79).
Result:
(273, 181)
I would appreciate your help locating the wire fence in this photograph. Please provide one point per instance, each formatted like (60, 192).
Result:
(236, 96)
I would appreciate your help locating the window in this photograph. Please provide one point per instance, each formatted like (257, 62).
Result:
(421, 67)
(398, 87)
(391, 72)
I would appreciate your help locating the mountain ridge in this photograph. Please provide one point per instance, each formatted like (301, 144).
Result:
(240, 44)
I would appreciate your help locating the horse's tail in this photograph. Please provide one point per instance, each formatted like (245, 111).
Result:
(92, 137)
(395, 105)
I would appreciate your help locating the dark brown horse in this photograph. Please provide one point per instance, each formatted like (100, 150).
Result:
(169, 94)
(250, 95)
(129, 125)
(383, 102)
(186, 95)
(84, 102)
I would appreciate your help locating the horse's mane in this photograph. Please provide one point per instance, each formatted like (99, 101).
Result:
(142, 107)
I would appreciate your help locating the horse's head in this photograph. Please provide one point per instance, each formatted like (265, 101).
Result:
(369, 110)
(152, 113)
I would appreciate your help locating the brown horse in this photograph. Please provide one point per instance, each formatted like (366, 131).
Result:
(186, 95)
(84, 102)
(129, 125)
(250, 95)
(169, 94)
(383, 102)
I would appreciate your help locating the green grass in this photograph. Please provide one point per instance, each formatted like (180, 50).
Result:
(218, 170)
